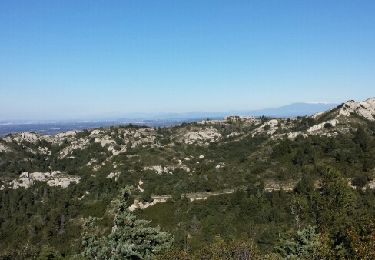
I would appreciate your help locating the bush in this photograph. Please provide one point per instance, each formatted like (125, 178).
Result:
(241, 250)
(130, 238)
(306, 244)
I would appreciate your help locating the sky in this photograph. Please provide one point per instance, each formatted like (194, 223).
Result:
(84, 59)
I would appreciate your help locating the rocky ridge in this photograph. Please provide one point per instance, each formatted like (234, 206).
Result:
(115, 142)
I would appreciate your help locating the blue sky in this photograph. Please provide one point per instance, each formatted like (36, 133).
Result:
(80, 59)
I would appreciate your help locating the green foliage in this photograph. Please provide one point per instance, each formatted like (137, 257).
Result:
(305, 244)
(218, 250)
(130, 238)
(49, 253)
(336, 202)
(41, 215)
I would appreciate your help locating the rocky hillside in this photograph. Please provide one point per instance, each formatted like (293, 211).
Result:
(49, 185)
(62, 159)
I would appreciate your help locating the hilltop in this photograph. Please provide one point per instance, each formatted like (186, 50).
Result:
(122, 142)
(198, 160)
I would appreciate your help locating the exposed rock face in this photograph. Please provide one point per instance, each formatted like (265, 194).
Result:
(114, 175)
(66, 134)
(27, 137)
(62, 181)
(92, 161)
(157, 168)
(247, 119)
(220, 165)
(113, 150)
(233, 134)
(113, 141)
(277, 185)
(371, 184)
(137, 204)
(268, 127)
(293, 135)
(4, 148)
(79, 144)
(128, 138)
(328, 124)
(365, 109)
(202, 136)
(142, 136)
(166, 169)
(139, 187)
(339, 117)
(51, 178)
(104, 141)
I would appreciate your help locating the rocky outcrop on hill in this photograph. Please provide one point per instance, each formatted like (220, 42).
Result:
(201, 136)
(4, 148)
(56, 178)
(165, 151)
(365, 108)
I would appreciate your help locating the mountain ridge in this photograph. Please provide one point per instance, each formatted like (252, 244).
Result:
(51, 184)
(292, 109)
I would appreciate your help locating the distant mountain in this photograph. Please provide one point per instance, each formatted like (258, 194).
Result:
(291, 110)
(295, 109)
(157, 119)
(54, 184)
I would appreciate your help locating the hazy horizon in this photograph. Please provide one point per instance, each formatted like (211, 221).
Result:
(293, 109)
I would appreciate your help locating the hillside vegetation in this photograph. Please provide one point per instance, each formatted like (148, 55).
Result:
(238, 188)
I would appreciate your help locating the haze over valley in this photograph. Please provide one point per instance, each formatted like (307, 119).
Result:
(154, 120)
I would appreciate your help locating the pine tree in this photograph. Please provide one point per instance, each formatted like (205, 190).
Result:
(306, 244)
(130, 238)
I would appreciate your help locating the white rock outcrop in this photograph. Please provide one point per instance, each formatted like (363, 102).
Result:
(220, 165)
(315, 128)
(27, 137)
(166, 169)
(233, 134)
(61, 136)
(365, 108)
(79, 144)
(293, 135)
(202, 136)
(55, 178)
(4, 148)
(139, 187)
(137, 204)
(268, 127)
(157, 168)
(114, 175)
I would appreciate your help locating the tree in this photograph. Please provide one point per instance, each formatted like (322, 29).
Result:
(306, 244)
(363, 244)
(130, 238)
(362, 139)
(221, 250)
(305, 186)
(48, 253)
(336, 202)
(336, 211)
